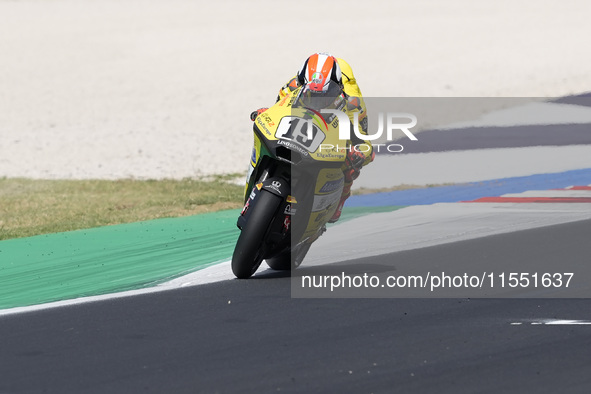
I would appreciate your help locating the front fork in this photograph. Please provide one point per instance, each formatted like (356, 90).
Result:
(278, 236)
(274, 185)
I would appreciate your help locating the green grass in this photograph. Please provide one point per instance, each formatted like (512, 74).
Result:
(33, 207)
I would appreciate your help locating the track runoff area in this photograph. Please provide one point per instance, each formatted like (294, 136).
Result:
(257, 335)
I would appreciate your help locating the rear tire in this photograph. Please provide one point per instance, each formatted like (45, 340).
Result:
(249, 250)
(281, 262)
(289, 260)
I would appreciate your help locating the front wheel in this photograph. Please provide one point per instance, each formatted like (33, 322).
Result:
(249, 251)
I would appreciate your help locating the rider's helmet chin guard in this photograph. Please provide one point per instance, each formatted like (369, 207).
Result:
(318, 70)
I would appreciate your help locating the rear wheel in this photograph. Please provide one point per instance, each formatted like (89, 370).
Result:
(281, 262)
(290, 259)
(249, 250)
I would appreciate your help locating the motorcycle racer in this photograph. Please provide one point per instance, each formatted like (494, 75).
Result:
(314, 76)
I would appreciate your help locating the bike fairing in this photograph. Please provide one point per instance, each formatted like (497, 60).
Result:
(355, 103)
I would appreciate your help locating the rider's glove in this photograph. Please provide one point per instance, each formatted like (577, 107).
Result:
(354, 162)
(256, 113)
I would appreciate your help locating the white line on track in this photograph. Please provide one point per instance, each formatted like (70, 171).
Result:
(553, 322)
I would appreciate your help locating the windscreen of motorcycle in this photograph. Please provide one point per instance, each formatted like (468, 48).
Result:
(331, 97)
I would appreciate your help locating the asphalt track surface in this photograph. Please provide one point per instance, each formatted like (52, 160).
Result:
(251, 336)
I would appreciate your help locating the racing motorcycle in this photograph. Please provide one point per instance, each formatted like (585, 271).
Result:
(294, 183)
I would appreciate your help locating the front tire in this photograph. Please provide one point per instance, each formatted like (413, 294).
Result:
(249, 251)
